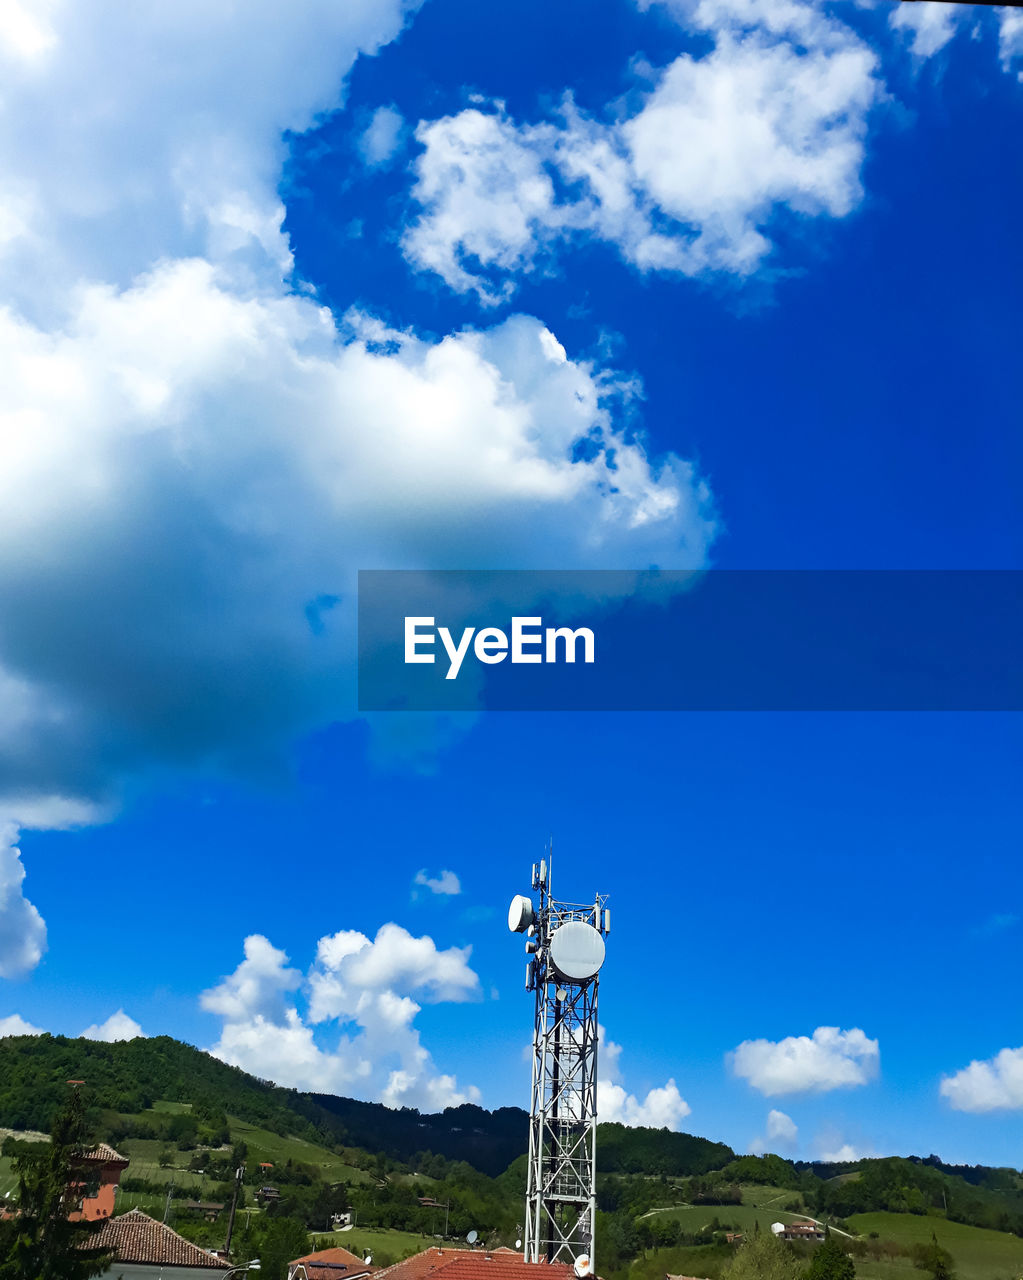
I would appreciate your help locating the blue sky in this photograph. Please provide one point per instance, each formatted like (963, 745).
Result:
(729, 284)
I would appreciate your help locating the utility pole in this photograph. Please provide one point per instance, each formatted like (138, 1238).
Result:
(238, 1175)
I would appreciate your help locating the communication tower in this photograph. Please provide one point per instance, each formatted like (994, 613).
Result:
(565, 945)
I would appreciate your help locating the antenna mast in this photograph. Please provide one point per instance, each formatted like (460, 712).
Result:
(565, 943)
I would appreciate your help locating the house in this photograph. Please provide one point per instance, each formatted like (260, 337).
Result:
(473, 1264)
(208, 1209)
(808, 1230)
(99, 1170)
(330, 1264)
(149, 1250)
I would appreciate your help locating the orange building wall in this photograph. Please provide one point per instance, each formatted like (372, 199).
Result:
(100, 1205)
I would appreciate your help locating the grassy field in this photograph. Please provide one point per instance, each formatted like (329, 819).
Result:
(772, 1198)
(740, 1217)
(382, 1242)
(978, 1254)
(8, 1181)
(272, 1147)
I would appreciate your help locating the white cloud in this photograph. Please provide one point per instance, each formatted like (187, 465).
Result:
(248, 457)
(829, 1059)
(15, 1025)
(780, 1127)
(365, 990)
(172, 412)
(1010, 38)
(842, 1153)
(259, 987)
(773, 116)
(781, 1132)
(382, 137)
(992, 1085)
(136, 133)
(117, 1027)
(22, 931)
(662, 1108)
(446, 884)
(928, 24)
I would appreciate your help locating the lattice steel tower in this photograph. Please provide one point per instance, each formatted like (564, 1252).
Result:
(565, 943)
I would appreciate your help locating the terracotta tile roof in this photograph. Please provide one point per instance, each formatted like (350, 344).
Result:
(137, 1237)
(103, 1153)
(332, 1264)
(474, 1264)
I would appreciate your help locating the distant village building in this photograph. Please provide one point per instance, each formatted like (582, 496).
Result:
(100, 1172)
(808, 1230)
(330, 1264)
(734, 1237)
(145, 1249)
(208, 1209)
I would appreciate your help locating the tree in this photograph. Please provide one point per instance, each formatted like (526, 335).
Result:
(830, 1262)
(933, 1258)
(283, 1239)
(43, 1242)
(762, 1257)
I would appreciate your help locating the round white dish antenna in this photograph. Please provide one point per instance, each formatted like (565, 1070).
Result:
(472, 1237)
(520, 914)
(518, 1244)
(577, 950)
(582, 1266)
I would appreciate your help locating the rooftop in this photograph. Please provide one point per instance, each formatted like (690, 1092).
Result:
(473, 1264)
(103, 1153)
(137, 1237)
(331, 1264)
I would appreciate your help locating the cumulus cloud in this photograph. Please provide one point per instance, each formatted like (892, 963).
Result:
(178, 150)
(447, 884)
(781, 1133)
(662, 1108)
(773, 116)
(15, 1025)
(829, 1059)
(382, 137)
(195, 456)
(368, 993)
(995, 1084)
(22, 931)
(844, 1153)
(928, 25)
(117, 1027)
(1010, 39)
(247, 456)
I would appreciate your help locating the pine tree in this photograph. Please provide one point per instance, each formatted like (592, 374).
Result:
(42, 1241)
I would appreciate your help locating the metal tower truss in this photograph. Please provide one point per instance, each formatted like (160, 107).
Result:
(566, 945)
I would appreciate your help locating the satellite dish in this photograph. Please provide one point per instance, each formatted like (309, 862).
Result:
(367, 1260)
(577, 950)
(582, 1266)
(518, 1244)
(520, 914)
(472, 1237)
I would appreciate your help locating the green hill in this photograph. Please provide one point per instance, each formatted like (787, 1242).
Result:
(126, 1079)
